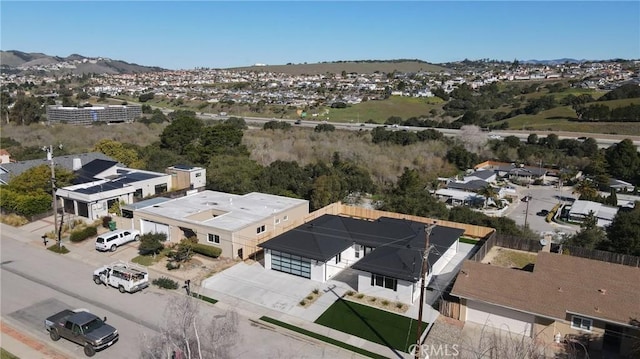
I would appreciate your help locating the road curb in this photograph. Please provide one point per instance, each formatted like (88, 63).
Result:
(25, 346)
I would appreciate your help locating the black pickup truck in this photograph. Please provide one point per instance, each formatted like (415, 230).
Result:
(81, 327)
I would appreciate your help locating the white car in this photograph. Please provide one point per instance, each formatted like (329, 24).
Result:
(127, 277)
(495, 137)
(112, 240)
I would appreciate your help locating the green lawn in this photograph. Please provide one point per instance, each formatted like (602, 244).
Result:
(6, 355)
(382, 327)
(380, 111)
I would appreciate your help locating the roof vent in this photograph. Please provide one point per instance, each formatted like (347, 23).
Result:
(602, 291)
(597, 309)
(559, 289)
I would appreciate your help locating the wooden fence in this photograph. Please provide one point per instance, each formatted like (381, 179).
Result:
(616, 258)
(450, 308)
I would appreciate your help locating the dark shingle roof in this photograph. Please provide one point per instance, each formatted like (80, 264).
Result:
(398, 243)
(473, 185)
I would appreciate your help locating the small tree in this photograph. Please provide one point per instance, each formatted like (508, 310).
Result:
(152, 243)
(191, 334)
(183, 251)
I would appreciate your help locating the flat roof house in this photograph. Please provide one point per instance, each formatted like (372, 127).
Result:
(563, 297)
(386, 254)
(604, 215)
(237, 224)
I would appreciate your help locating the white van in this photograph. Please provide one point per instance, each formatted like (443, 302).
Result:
(112, 240)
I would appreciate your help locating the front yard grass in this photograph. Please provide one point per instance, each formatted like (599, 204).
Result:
(378, 326)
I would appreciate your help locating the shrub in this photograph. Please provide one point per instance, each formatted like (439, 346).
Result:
(316, 291)
(207, 250)
(82, 234)
(399, 305)
(385, 302)
(310, 297)
(151, 243)
(360, 296)
(303, 303)
(105, 221)
(171, 265)
(60, 250)
(351, 293)
(166, 283)
(372, 299)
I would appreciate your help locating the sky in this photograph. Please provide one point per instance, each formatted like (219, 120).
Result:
(223, 34)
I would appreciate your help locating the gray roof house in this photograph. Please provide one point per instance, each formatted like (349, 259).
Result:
(68, 162)
(386, 254)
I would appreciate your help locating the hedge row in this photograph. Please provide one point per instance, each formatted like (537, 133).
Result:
(207, 250)
(82, 234)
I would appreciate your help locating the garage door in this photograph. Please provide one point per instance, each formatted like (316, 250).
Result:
(285, 262)
(500, 318)
(154, 227)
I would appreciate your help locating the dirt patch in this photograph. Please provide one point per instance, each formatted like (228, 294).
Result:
(197, 269)
(510, 258)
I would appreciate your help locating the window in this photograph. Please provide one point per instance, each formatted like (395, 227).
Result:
(338, 258)
(581, 323)
(286, 218)
(213, 238)
(277, 221)
(358, 248)
(260, 229)
(386, 282)
(198, 174)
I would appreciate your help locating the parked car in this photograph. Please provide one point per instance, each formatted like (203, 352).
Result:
(83, 328)
(298, 122)
(526, 198)
(543, 213)
(127, 277)
(112, 240)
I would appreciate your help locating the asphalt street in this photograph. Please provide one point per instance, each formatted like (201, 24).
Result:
(36, 283)
(542, 198)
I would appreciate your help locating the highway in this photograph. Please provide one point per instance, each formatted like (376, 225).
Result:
(603, 140)
(37, 283)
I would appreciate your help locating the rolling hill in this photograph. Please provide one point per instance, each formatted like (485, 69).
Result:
(360, 67)
(14, 61)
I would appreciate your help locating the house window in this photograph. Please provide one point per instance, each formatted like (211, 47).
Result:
(581, 323)
(338, 258)
(277, 221)
(213, 238)
(286, 218)
(198, 174)
(260, 229)
(358, 248)
(386, 282)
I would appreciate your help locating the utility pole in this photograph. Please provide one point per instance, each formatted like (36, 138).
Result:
(53, 192)
(425, 255)
(526, 213)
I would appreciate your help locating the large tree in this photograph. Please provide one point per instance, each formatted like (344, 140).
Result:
(623, 160)
(624, 232)
(182, 132)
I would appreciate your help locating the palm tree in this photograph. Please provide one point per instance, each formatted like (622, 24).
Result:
(586, 189)
(488, 192)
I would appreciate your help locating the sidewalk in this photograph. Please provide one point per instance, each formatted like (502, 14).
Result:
(24, 346)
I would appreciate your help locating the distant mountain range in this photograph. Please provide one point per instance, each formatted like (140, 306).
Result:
(555, 62)
(14, 61)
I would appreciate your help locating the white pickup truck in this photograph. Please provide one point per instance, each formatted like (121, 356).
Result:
(112, 240)
(127, 277)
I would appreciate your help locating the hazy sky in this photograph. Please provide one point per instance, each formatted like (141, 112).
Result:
(188, 34)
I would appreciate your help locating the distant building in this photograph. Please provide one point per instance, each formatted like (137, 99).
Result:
(90, 115)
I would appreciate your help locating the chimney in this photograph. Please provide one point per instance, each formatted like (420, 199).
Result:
(602, 291)
(77, 164)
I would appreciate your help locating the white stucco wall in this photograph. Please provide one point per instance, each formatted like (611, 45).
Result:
(406, 290)
(444, 259)
(499, 317)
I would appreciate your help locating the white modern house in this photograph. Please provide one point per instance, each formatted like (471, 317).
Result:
(385, 254)
(604, 215)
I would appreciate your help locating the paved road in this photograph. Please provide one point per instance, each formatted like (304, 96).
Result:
(36, 283)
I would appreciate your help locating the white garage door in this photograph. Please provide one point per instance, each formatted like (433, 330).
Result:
(154, 227)
(500, 318)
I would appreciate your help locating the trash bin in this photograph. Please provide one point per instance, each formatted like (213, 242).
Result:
(112, 225)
